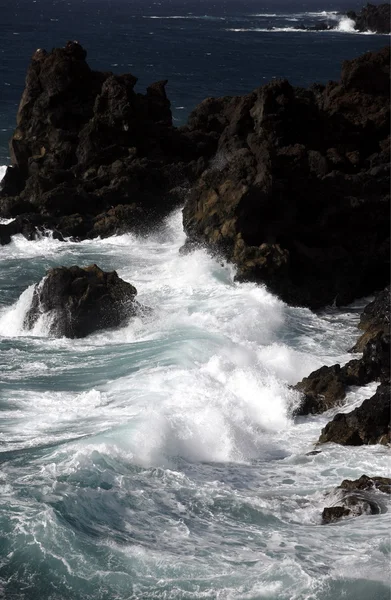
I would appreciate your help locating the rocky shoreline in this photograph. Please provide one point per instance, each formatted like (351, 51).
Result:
(371, 19)
(289, 184)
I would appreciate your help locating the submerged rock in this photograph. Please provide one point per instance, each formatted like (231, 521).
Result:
(383, 484)
(80, 301)
(375, 18)
(297, 196)
(358, 497)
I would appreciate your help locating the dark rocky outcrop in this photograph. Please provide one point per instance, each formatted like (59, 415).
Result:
(375, 320)
(297, 195)
(375, 18)
(82, 300)
(86, 142)
(367, 424)
(292, 185)
(355, 498)
(326, 387)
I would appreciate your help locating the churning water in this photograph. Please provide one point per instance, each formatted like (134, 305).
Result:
(160, 460)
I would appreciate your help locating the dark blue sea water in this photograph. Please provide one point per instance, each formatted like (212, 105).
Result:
(160, 460)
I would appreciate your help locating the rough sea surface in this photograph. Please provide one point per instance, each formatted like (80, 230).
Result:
(159, 460)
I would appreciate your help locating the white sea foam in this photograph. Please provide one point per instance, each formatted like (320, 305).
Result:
(210, 366)
(345, 26)
(191, 17)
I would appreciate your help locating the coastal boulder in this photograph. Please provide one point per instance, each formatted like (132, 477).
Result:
(80, 301)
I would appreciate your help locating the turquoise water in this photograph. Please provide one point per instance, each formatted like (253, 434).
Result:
(160, 460)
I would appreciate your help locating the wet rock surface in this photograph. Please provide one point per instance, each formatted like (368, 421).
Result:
(79, 301)
(327, 387)
(297, 195)
(367, 424)
(358, 497)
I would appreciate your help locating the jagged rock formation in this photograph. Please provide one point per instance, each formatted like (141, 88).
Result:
(80, 301)
(296, 192)
(297, 195)
(358, 497)
(326, 387)
(375, 18)
(90, 156)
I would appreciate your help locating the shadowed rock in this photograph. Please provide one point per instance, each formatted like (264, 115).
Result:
(80, 301)
(86, 142)
(297, 195)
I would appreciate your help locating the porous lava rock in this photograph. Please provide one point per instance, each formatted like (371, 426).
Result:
(297, 194)
(357, 497)
(375, 18)
(80, 301)
(86, 142)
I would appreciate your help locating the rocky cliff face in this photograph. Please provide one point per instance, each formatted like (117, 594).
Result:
(375, 18)
(297, 195)
(90, 156)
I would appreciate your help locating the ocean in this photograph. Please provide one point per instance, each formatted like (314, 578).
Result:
(160, 460)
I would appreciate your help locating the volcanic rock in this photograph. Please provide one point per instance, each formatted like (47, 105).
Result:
(367, 424)
(326, 387)
(86, 142)
(297, 194)
(80, 301)
(372, 18)
(358, 497)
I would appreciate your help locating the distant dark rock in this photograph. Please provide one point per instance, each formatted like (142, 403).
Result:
(372, 17)
(82, 300)
(357, 498)
(292, 168)
(367, 424)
